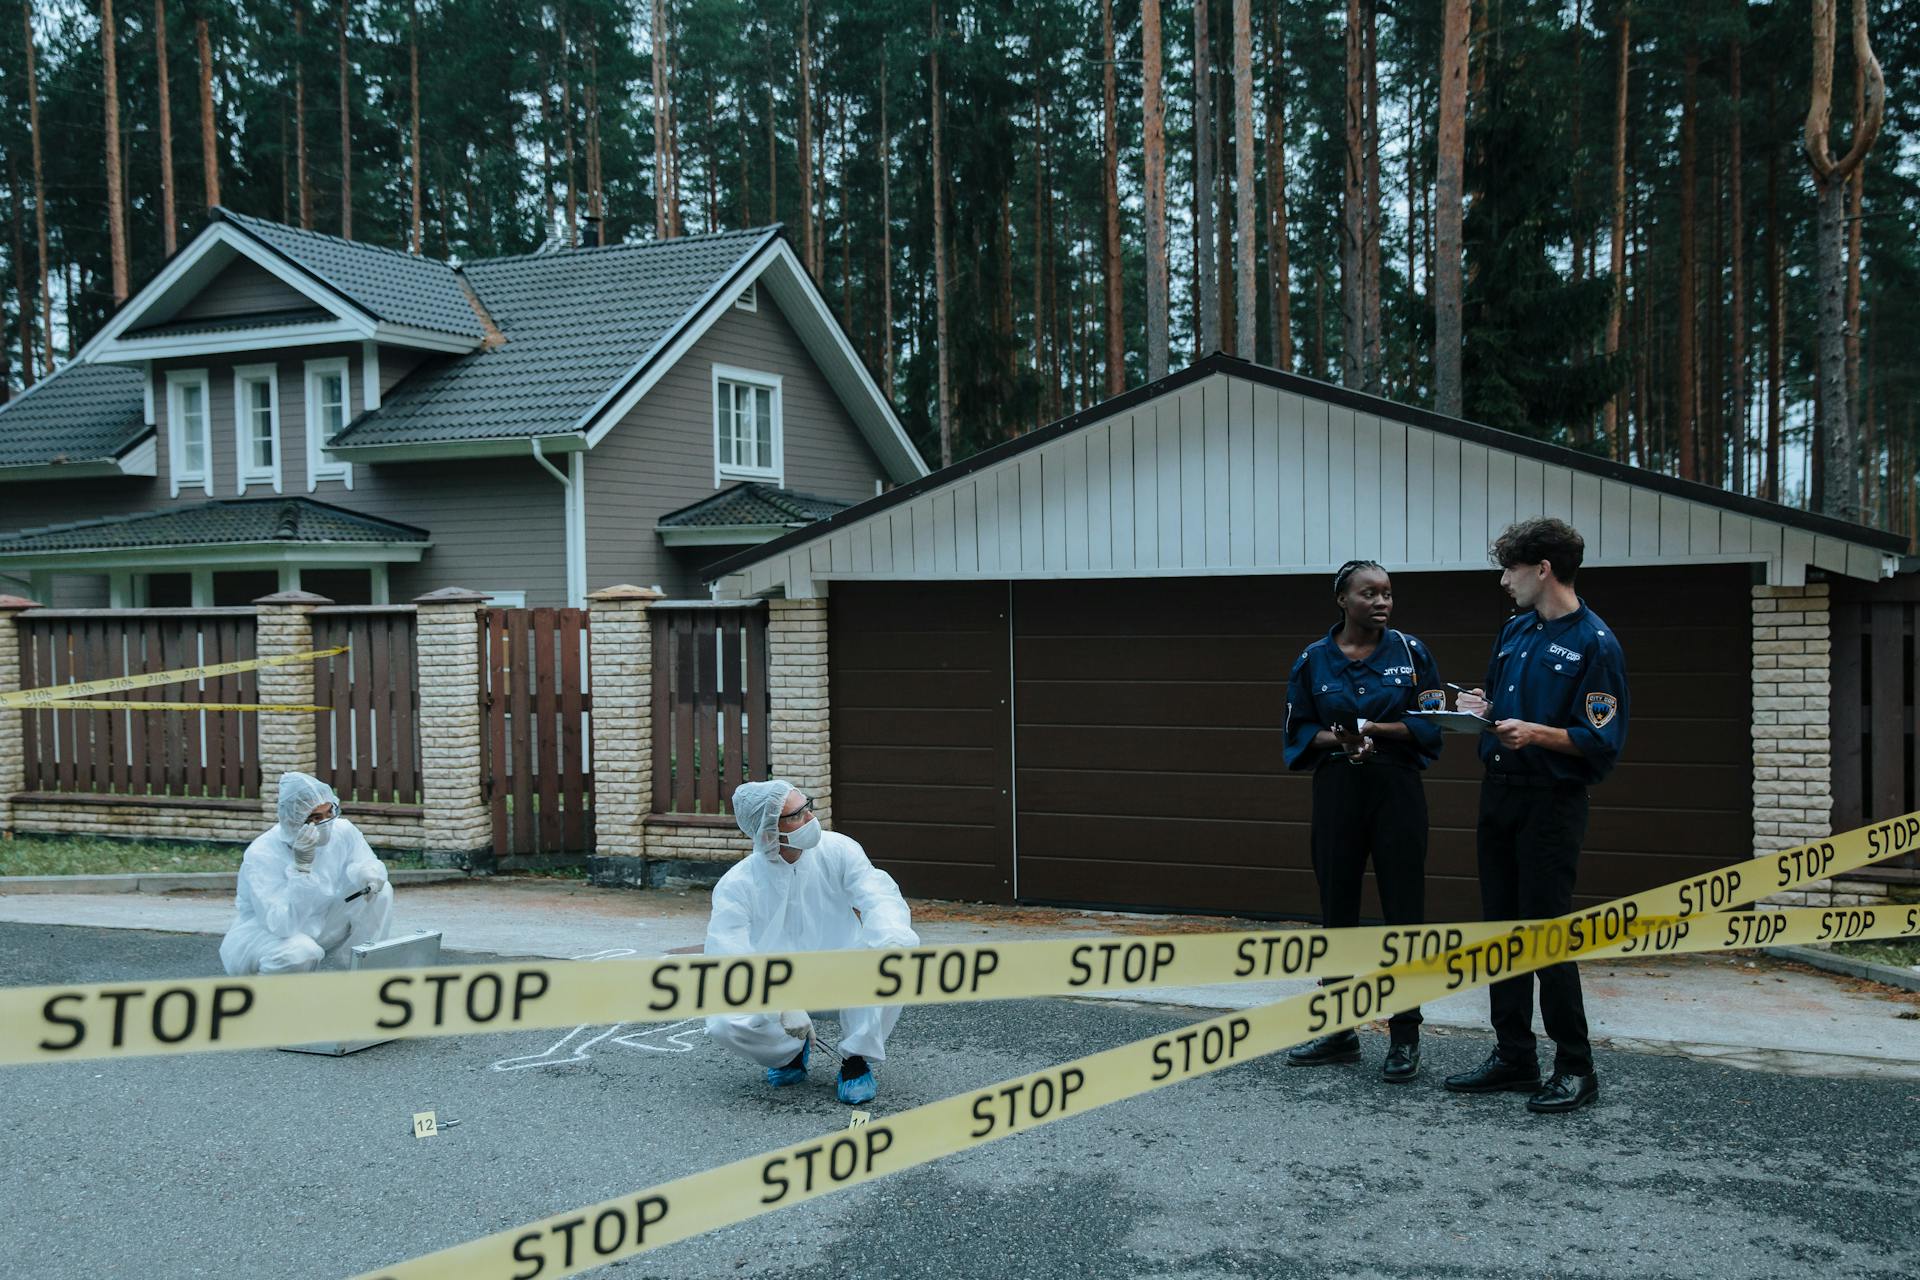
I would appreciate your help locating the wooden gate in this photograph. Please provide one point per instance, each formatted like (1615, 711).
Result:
(1876, 773)
(538, 772)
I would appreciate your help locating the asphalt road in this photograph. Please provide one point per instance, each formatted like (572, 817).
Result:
(269, 1164)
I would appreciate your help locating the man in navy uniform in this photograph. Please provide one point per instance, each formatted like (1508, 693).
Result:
(1557, 693)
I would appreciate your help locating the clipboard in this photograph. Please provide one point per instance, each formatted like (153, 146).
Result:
(1453, 721)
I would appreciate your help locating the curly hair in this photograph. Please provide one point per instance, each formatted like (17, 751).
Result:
(1541, 538)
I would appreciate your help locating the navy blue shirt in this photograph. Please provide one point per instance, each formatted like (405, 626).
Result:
(1570, 673)
(1328, 688)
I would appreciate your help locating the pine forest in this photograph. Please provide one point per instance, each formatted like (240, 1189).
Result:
(1681, 233)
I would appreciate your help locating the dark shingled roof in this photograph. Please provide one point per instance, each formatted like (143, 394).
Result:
(752, 504)
(233, 324)
(575, 323)
(235, 520)
(400, 288)
(83, 413)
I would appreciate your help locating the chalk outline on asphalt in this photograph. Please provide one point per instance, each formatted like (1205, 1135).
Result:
(632, 1040)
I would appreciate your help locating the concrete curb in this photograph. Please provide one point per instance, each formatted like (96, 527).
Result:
(1887, 974)
(171, 881)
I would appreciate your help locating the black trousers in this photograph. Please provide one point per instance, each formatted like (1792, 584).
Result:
(1529, 839)
(1377, 809)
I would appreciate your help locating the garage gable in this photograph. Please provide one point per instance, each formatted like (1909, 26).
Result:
(1231, 468)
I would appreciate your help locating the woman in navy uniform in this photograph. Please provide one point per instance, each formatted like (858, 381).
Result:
(1558, 700)
(1345, 699)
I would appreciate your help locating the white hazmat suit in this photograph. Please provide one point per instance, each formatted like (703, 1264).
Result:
(291, 908)
(765, 903)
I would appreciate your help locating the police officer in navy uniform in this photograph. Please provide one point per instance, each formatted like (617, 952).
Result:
(1558, 700)
(1345, 699)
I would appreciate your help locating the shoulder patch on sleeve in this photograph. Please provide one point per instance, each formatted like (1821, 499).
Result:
(1601, 708)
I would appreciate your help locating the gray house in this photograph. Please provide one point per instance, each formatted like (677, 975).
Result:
(279, 408)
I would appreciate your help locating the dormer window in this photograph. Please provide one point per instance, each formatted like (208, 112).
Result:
(189, 431)
(746, 415)
(327, 392)
(256, 417)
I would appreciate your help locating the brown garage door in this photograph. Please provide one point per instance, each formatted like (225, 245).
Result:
(921, 737)
(1148, 769)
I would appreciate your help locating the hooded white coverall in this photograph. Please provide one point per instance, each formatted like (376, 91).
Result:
(765, 903)
(288, 920)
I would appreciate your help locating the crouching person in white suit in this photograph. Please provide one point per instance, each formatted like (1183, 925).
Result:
(798, 891)
(309, 888)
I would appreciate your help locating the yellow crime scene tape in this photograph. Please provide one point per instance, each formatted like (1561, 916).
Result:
(135, 1019)
(640, 1221)
(65, 697)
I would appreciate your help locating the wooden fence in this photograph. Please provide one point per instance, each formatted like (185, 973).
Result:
(536, 704)
(1875, 771)
(203, 755)
(368, 744)
(711, 709)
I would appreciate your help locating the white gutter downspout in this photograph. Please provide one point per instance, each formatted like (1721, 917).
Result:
(576, 521)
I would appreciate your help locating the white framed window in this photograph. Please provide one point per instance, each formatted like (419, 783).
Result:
(256, 425)
(749, 299)
(328, 389)
(507, 599)
(746, 425)
(189, 430)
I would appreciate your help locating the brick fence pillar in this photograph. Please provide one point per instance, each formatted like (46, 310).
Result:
(287, 743)
(13, 755)
(1792, 752)
(800, 740)
(456, 824)
(620, 640)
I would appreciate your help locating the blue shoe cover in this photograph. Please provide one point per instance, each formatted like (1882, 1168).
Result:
(860, 1089)
(778, 1076)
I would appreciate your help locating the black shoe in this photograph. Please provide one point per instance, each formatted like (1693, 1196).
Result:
(1564, 1092)
(1402, 1064)
(1341, 1046)
(1496, 1074)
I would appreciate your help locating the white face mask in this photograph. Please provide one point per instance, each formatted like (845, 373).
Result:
(312, 836)
(804, 838)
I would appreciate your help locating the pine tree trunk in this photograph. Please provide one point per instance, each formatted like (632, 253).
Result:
(1154, 144)
(169, 215)
(1685, 392)
(346, 129)
(1737, 357)
(886, 234)
(660, 198)
(939, 236)
(1353, 205)
(1856, 190)
(1370, 267)
(1207, 322)
(595, 177)
(209, 142)
(1279, 276)
(300, 111)
(1712, 406)
(413, 132)
(1776, 320)
(15, 198)
(116, 199)
(566, 137)
(1223, 200)
(1449, 191)
(1040, 334)
(40, 190)
(1616, 248)
(1248, 325)
(806, 159)
(1110, 260)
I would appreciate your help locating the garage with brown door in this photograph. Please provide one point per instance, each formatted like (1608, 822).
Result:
(1057, 671)
(1141, 745)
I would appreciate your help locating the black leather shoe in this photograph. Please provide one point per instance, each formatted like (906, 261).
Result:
(1341, 1046)
(1496, 1074)
(1563, 1092)
(1402, 1064)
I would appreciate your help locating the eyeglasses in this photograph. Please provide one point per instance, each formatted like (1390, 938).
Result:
(804, 811)
(316, 820)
